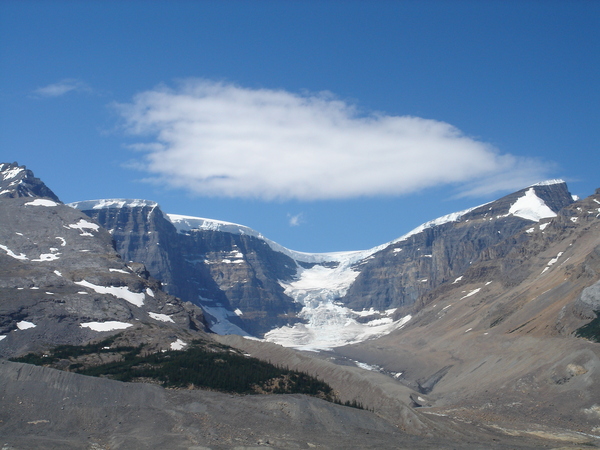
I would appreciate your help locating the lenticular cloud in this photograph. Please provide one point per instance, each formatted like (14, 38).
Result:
(219, 139)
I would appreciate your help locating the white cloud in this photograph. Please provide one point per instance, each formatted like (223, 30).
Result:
(295, 220)
(61, 88)
(220, 139)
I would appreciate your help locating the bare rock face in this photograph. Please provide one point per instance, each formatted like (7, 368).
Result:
(222, 272)
(439, 253)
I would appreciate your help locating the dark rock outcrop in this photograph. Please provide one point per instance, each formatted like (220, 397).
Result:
(18, 181)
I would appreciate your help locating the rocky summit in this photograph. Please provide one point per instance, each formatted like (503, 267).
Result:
(479, 329)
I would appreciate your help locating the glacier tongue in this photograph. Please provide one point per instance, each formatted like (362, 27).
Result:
(329, 324)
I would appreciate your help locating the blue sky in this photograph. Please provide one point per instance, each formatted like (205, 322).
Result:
(325, 125)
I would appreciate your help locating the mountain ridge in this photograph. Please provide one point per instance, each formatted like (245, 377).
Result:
(326, 287)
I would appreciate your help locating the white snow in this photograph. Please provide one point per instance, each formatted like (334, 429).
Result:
(544, 225)
(335, 329)
(58, 273)
(473, 292)
(150, 292)
(42, 202)
(12, 254)
(531, 207)
(118, 270)
(24, 325)
(185, 224)
(112, 203)
(366, 366)
(554, 260)
(239, 312)
(47, 257)
(62, 241)
(457, 280)
(85, 225)
(11, 173)
(121, 292)
(549, 182)
(110, 325)
(178, 345)
(2, 337)
(161, 317)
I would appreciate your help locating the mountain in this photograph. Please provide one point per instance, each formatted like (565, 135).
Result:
(501, 344)
(18, 181)
(247, 284)
(476, 330)
(62, 282)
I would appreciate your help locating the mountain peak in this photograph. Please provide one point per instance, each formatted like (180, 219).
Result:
(18, 181)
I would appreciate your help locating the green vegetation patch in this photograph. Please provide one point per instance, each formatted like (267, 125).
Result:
(199, 366)
(591, 330)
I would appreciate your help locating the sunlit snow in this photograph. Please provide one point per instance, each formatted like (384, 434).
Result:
(121, 292)
(112, 203)
(24, 325)
(531, 207)
(178, 345)
(552, 262)
(41, 202)
(47, 257)
(161, 317)
(83, 225)
(12, 254)
(110, 325)
(2, 337)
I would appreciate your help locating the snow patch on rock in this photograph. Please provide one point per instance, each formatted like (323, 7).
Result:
(24, 325)
(110, 325)
(121, 292)
(161, 317)
(531, 207)
(42, 202)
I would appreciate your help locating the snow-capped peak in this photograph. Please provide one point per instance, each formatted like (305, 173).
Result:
(88, 205)
(189, 223)
(531, 207)
(549, 182)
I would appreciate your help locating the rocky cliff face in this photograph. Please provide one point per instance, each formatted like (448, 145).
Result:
(234, 277)
(248, 284)
(62, 282)
(405, 270)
